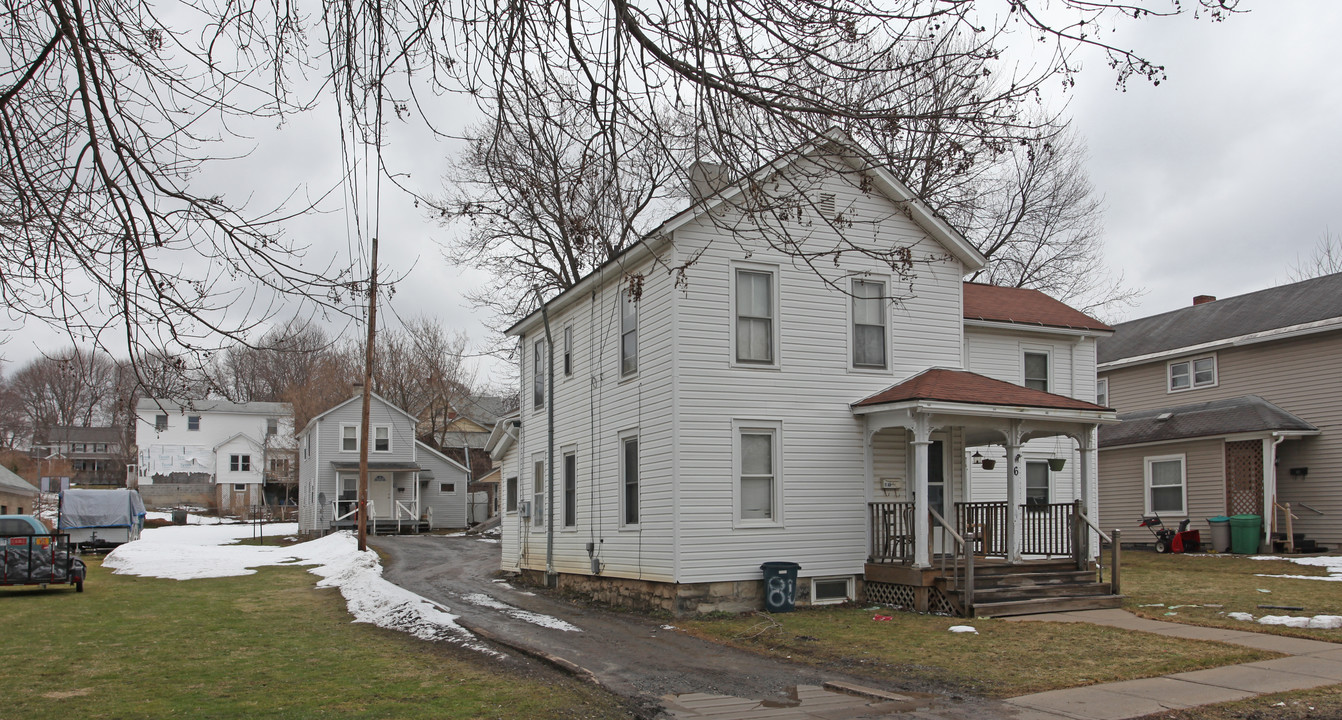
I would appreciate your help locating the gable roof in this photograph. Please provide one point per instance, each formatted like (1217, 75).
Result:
(432, 451)
(11, 483)
(1308, 305)
(252, 441)
(65, 434)
(218, 406)
(962, 386)
(834, 142)
(1023, 306)
(1230, 416)
(358, 397)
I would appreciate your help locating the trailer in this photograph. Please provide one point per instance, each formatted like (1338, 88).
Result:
(99, 520)
(33, 556)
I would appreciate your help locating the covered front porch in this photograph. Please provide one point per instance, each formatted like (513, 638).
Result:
(394, 501)
(947, 531)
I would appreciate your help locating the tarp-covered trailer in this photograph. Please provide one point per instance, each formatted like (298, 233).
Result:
(101, 519)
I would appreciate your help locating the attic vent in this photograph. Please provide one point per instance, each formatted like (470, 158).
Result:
(1164, 416)
(825, 205)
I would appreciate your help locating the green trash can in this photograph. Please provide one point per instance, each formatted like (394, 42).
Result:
(1245, 532)
(780, 586)
(1220, 533)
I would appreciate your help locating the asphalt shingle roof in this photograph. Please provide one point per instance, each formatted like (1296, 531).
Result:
(962, 386)
(9, 482)
(1245, 414)
(1279, 307)
(1023, 306)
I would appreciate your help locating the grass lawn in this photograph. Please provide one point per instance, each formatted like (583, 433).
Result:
(267, 645)
(1324, 702)
(1004, 659)
(1230, 582)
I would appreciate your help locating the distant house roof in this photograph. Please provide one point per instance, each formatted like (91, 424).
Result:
(961, 386)
(61, 433)
(1232, 416)
(485, 410)
(1023, 306)
(151, 405)
(1311, 301)
(11, 483)
(358, 397)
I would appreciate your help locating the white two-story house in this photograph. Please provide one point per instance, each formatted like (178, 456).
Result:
(215, 445)
(720, 403)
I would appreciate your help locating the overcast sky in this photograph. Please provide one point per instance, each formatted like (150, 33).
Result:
(1214, 183)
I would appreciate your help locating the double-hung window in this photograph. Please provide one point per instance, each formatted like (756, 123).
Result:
(349, 438)
(755, 313)
(240, 463)
(538, 496)
(1036, 483)
(570, 490)
(1189, 374)
(869, 324)
(1102, 392)
(1036, 370)
(628, 334)
(160, 422)
(1165, 485)
(510, 495)
(568, 350)
(538, 376)
(757, 472)
(192, 422)
(381, 438)
(629, 480)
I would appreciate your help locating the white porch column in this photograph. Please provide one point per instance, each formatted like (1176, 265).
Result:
(1089, 475)
(1015, 495)
(922, 555)
(1269, 493)
(869, 471)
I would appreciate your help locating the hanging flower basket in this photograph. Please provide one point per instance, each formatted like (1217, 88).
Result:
(989, 464)
(1056, 464)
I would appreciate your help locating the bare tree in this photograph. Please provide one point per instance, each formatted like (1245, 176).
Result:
(1324, 259)
(72, 388)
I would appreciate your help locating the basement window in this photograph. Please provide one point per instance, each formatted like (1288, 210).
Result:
(831, 591)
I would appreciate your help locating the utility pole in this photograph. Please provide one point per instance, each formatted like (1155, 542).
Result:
(367, 397)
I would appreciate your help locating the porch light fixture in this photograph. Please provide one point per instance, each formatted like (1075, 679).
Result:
(978, 457)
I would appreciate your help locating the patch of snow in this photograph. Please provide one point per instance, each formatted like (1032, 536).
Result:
(1261, 590)
(1153, 605)
(1318, 622)
(188, 552)
(1246, 617)
(195, 519)
(1330, 563)
(963, 629)
(489, 540)
(544, 621)
(669, 627)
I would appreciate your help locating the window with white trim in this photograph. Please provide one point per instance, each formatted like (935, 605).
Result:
(1036, 370)
(755, 316)
(240, 463)
(1036, 483)
(272, 426)
(570, 490)
(1166, 485)
(832, 590)
(1195, 373)
(869, 324)
(447, 487)
(629, 477)
(538, 376)
(1102, 392)
(381, 438)
(628, 334)
(758, 487)
(538, 494)
(349, 438)
(239, 487)
(510, 495)
(192, 422)
(160, 422)
(568, 350)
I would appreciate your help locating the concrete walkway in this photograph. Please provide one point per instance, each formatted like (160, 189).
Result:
(1310, 663)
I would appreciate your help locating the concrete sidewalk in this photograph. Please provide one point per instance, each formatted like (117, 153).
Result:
(1310, 663)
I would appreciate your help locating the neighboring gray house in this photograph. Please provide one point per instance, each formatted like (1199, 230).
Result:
(1228, 406)
(410, 485)
(97, 455)
(17, 496)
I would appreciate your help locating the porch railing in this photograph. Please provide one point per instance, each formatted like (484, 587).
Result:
(891, 532)
(990, 521)
(1047, 529)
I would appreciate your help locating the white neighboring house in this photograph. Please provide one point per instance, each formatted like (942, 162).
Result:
(223, 444)
(754, 408)
(411, 486)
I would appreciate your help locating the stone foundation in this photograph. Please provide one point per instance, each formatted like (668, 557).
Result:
(678, 599)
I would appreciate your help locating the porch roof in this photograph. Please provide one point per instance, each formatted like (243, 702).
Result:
(388, 466)
(964, 387)
(1229, 416)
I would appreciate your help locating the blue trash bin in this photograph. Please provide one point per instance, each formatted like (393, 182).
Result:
(780, 586)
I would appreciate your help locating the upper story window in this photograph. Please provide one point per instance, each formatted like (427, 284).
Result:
(868, 324)
(628, 334)
(349, 438)
(272, 426)
(538, 376)
(381, 438)
(160, 422)
(1036, 370)
(1195, 373)
(568, 350)
(192, 422)
(1102, 392)
(755, 316)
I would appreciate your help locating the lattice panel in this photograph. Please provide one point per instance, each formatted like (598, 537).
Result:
(938, 604)
(1244, 477)
(899, 596)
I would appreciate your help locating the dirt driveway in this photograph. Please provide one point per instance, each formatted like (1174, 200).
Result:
(636, 657)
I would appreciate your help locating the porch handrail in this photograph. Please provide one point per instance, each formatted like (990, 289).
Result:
(412, 513)
(1115, 551)
(967, 550)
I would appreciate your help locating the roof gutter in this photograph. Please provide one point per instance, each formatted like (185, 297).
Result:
(1310, 328)
(1036, 327)
(1014, 412)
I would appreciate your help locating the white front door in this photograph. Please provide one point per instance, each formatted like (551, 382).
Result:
(381, 494)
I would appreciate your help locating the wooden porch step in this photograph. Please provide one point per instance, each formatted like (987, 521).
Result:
(1046, 605)
(1019, 579)
(1034, 592)
(989, 569)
